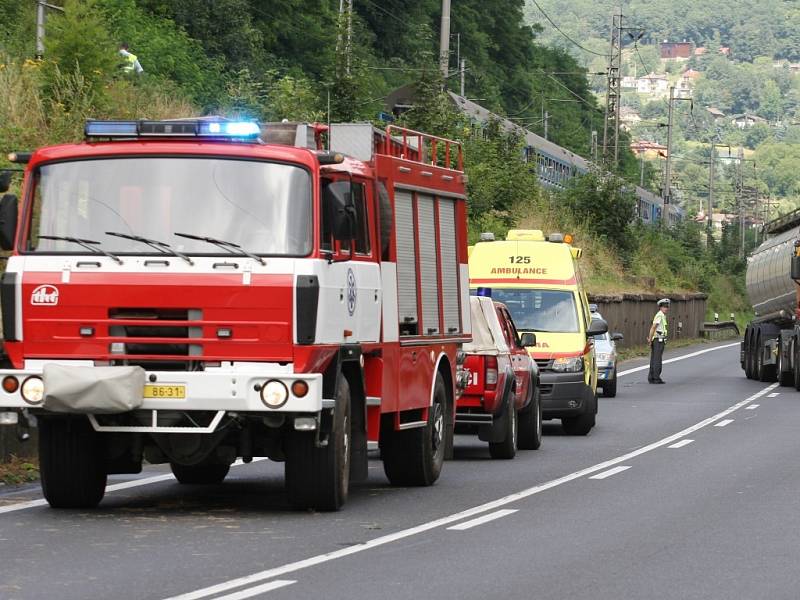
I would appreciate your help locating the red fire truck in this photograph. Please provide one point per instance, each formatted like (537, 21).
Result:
(196, 291)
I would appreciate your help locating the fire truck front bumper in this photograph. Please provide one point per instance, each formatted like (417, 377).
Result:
(231, 387)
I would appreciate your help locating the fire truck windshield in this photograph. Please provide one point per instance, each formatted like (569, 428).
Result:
(263, 207)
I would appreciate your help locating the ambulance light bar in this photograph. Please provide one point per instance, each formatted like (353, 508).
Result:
(235, 130)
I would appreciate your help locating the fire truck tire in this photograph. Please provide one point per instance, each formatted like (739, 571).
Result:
(507, 449)
(530, 423)
(71, 463)
(319, 478)
(199, 474)
(415, 456)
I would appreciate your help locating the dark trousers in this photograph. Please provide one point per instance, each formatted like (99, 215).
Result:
(656, 352)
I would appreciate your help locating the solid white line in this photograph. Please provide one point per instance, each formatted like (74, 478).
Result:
(609, 473)
(109, 488)
(255, 591)
(773, 394)
(493, 505)
(752, 407)
(677, 358)
(724, 423)
(484, 519)
(681, 444)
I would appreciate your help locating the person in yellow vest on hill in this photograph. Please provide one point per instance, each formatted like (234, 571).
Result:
(657, 338)
(130, 61)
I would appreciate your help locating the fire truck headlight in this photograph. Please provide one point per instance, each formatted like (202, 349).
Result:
(274, 394)
(33, 390)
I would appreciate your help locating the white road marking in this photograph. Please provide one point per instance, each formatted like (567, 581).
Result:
(681, 444)
(447, 520)
(484, 519)
(609, 473)
(109, 488)
(752, 407)
(676, 359)
(255, 591)
(773, 394)
(723, 423)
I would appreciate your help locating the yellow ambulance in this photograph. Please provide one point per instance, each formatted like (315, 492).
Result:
(538, 279)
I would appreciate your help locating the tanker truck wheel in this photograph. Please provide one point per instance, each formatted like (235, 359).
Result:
(748, 353)
(796, 365)
(785, 378)
(415, 456)
(319, 478)
(758, 369)
(71, 463)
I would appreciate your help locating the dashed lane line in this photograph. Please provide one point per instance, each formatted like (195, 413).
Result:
(681, 444)
(723, 423)
(319, 559)
(484, 519)
(752, 407)
(677, 358)
(609, 473)
(773, 394)
(255, 591)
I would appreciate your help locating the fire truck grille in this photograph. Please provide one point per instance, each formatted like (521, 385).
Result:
(154, 332)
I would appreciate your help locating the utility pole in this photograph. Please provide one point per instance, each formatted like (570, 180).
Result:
(740, 198)
(344, 41)
(463, 65)
(546, 120)
(613, 95)
(444, 39)
(593, 146)
(710, 213)
(667, 190)
(40, 17)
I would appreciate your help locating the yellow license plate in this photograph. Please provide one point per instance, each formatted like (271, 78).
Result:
(164, 391)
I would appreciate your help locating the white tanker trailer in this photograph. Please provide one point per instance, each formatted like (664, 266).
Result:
(770, 350)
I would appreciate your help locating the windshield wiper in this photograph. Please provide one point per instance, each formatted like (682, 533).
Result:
(162, 247)
(229, 246)
(91, 245)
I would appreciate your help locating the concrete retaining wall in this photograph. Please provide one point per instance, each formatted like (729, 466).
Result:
(632, 314)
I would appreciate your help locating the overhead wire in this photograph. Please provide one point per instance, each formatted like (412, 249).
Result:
(557, 28)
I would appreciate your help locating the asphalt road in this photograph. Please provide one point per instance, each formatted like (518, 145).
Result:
(686, 490)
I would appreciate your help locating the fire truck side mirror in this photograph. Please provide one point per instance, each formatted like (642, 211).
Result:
(8, 221)
(339, 209)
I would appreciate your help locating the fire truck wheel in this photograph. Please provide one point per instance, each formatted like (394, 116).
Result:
(415, 456)
(507, 449)
(319, 478)
(530, 423)
(71, 463)
(199, 474)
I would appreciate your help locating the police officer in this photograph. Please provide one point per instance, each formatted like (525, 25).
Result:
(657, 338)
(130, 61)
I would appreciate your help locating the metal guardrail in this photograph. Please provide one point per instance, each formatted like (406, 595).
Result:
(710, 327)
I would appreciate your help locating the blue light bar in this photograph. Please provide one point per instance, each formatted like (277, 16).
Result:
(177, 128)
(109, 129)
(234, 129)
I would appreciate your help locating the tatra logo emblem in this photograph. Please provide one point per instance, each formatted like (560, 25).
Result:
(351, 292)
(45, 295)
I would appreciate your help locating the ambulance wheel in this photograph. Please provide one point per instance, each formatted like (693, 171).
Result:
(582, 424)
(530, 423)
(199, 474)
(507, 449)
(71, 463)
(319, 478)
(415, 456)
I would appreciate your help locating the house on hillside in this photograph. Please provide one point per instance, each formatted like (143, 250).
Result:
(629, 117)
(628, 82)
(650, 149)
(653, 85)
(676, 50)
(746, 120)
